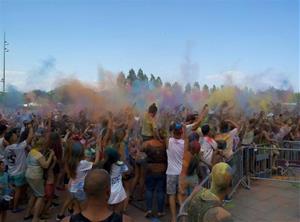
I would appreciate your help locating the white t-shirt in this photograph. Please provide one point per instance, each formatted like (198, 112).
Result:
(117, 191)
(207, 147)
(15, 156)
(175, 156)
(82, 169)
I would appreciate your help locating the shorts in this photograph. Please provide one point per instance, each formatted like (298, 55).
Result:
(172, 184)
(17, 180)
(49, 191)
(188, 183)
(4, 205)
(37, 186)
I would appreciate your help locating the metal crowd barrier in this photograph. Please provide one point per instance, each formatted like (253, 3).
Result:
(263, 162)
(240, 177)
(238, 164)
(205, 183)
(273, 163)
(290, 144)
(260, 162)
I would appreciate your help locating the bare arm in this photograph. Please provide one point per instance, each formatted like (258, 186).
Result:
(186, 138)
(97, 156)
(201, 117)
(129, 126)
(46, 163)
(268, 138)
(109, 129)
(30, 134)
(233, 123)
(64, 140)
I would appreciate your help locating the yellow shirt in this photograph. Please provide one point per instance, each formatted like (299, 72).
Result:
(148, 125)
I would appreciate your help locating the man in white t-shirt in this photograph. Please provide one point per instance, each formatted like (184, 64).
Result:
(208, 145)
(175, 152)
(15, 156)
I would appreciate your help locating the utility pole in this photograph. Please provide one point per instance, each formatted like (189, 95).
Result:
(5, 50)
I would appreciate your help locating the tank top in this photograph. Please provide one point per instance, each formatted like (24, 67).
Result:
(114, 217)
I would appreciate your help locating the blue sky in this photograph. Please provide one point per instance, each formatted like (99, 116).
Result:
(248, 40)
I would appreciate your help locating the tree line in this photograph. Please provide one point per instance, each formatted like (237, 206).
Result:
(140, 76)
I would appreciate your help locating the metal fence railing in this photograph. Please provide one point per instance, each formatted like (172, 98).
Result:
(290, 144)
(238, 165)
(259, 162)
(274, 163)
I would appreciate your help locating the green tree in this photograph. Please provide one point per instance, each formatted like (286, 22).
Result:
(152, 78)
(213, 89)
(188, 88)
(131, 76)
(140, 75)
(145, 78)
(158, 82)
(205, 89)
(196, 86)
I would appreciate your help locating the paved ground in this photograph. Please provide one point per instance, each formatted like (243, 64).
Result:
(266, 201)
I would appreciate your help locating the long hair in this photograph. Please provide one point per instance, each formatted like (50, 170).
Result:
(73, 155)
(54, 143)
(111, 157)
(118, 138)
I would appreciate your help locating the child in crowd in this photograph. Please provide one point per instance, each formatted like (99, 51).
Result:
(115, 168)
(77, 168)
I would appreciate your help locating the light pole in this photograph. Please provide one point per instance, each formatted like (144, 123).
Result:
(5, 50)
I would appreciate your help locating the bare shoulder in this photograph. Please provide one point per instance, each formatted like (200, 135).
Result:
(127, 218)
(66, 219)
(217, 214)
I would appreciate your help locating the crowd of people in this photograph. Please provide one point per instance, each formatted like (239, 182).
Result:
(99, 166)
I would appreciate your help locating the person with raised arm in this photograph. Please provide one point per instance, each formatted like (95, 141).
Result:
(15, 155)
